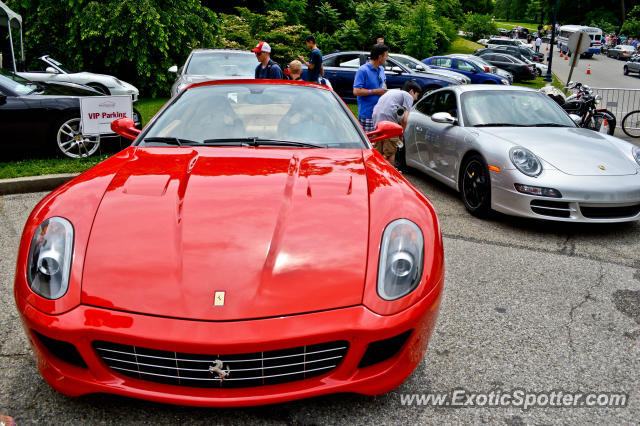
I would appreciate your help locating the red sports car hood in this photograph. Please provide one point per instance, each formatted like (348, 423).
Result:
(279, 231)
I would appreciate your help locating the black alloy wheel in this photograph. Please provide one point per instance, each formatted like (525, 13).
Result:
(476, 186)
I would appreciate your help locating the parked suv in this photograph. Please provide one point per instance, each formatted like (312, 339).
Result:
(213, 64)
(340, 69)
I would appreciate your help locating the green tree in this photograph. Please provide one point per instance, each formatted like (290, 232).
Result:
(631, 26)
(327, 17)
(421, 31)
(479, 25)
(370, 16)
(349, 35)
(294, 10)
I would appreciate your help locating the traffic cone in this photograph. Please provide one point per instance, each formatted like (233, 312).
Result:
(547, 48)
(561, 54)
(566, 57)
(589, 70)
(605, 126)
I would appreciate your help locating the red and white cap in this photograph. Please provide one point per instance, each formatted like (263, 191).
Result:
(263, 46)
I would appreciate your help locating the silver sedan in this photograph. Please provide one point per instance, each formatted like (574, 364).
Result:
(514, 150)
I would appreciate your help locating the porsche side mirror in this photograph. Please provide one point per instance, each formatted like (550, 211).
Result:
(385, 130)
(576, 118)
(173, 69)
(444, 117)
(125, 127)
(51, 70)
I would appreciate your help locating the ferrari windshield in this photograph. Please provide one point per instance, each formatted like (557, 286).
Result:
(512, 108)
(275, 112)
(224, 65)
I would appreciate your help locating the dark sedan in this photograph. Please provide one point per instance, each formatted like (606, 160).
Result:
(340, 68)
(520, 70)
(44, 114)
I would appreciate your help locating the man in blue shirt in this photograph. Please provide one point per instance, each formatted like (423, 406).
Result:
(369, 84)
(314, 65)
(266, 68)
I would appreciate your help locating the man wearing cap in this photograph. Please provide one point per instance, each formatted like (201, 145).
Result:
(369, 84)
(266, 68)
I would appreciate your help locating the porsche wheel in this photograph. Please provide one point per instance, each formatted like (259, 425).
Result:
(538, 72)
(476, 186)
(625, 70)
(71, 142)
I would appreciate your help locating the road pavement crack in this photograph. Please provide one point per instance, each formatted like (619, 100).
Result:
(10, 356)
(587, 297)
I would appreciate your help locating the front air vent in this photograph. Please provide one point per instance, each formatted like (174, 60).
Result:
(551, 208)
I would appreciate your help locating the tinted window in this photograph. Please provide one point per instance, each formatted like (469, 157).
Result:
(348, 61)
(438, 102)
(442, 62)
(280, 112)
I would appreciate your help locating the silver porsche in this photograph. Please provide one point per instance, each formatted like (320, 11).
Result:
(514, 150)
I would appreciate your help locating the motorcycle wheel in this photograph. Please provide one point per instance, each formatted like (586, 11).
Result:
(595, 122)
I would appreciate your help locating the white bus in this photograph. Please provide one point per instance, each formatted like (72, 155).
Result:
(595, 34)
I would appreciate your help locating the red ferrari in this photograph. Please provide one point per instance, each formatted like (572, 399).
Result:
(249, 248)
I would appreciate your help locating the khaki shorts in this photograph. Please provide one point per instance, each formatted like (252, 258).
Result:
(387, 148)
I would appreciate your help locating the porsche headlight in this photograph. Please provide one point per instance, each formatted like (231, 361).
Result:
(636, 154)
(525, 161)
(401, 259)
(49, 261)
(119, 82)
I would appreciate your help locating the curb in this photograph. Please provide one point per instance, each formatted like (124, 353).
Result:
(34, 183)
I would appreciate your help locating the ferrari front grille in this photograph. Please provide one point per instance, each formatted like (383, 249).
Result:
(222, 371)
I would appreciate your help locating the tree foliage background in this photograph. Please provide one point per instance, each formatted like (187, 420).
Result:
(138, 40)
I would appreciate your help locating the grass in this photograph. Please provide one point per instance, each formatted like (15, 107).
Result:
(47, 166)
(508, 25)
(462, 45)
(539, 83)
(148, 107)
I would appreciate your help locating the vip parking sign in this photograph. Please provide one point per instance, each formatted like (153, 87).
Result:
(97, 112)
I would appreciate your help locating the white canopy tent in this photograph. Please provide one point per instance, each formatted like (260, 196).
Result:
(11, 20)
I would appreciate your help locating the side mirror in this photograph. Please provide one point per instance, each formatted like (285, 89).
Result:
(397, 70)
(385, 130)
(125, 127)
(173, 69)
(420, 68)
(51, 70)
(444, 117)
(576, 118)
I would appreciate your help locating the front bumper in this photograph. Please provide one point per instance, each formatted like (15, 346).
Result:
(359, 326)
(580, 194)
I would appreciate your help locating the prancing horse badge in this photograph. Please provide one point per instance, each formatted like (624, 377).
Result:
(218, 298)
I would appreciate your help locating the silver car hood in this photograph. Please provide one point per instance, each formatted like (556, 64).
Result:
(575, 151)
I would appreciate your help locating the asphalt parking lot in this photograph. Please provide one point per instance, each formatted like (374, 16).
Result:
(528, 305)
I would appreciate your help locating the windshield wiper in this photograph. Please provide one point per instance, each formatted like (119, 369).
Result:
(255, 141)
(170, 141)
(500, 125)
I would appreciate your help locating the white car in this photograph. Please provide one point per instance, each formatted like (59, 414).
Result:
(106, 84)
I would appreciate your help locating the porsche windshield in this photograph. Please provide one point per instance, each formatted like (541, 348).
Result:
(511, 108)
(14, 82)
(236, 112)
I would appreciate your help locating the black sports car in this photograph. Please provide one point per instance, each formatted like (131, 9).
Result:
(46, 115)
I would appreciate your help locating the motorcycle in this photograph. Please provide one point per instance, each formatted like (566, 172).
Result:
(584, 104)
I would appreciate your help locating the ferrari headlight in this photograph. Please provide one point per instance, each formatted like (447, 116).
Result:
(525, 161)
(636, 154)
(49, 261)
(401, 259)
